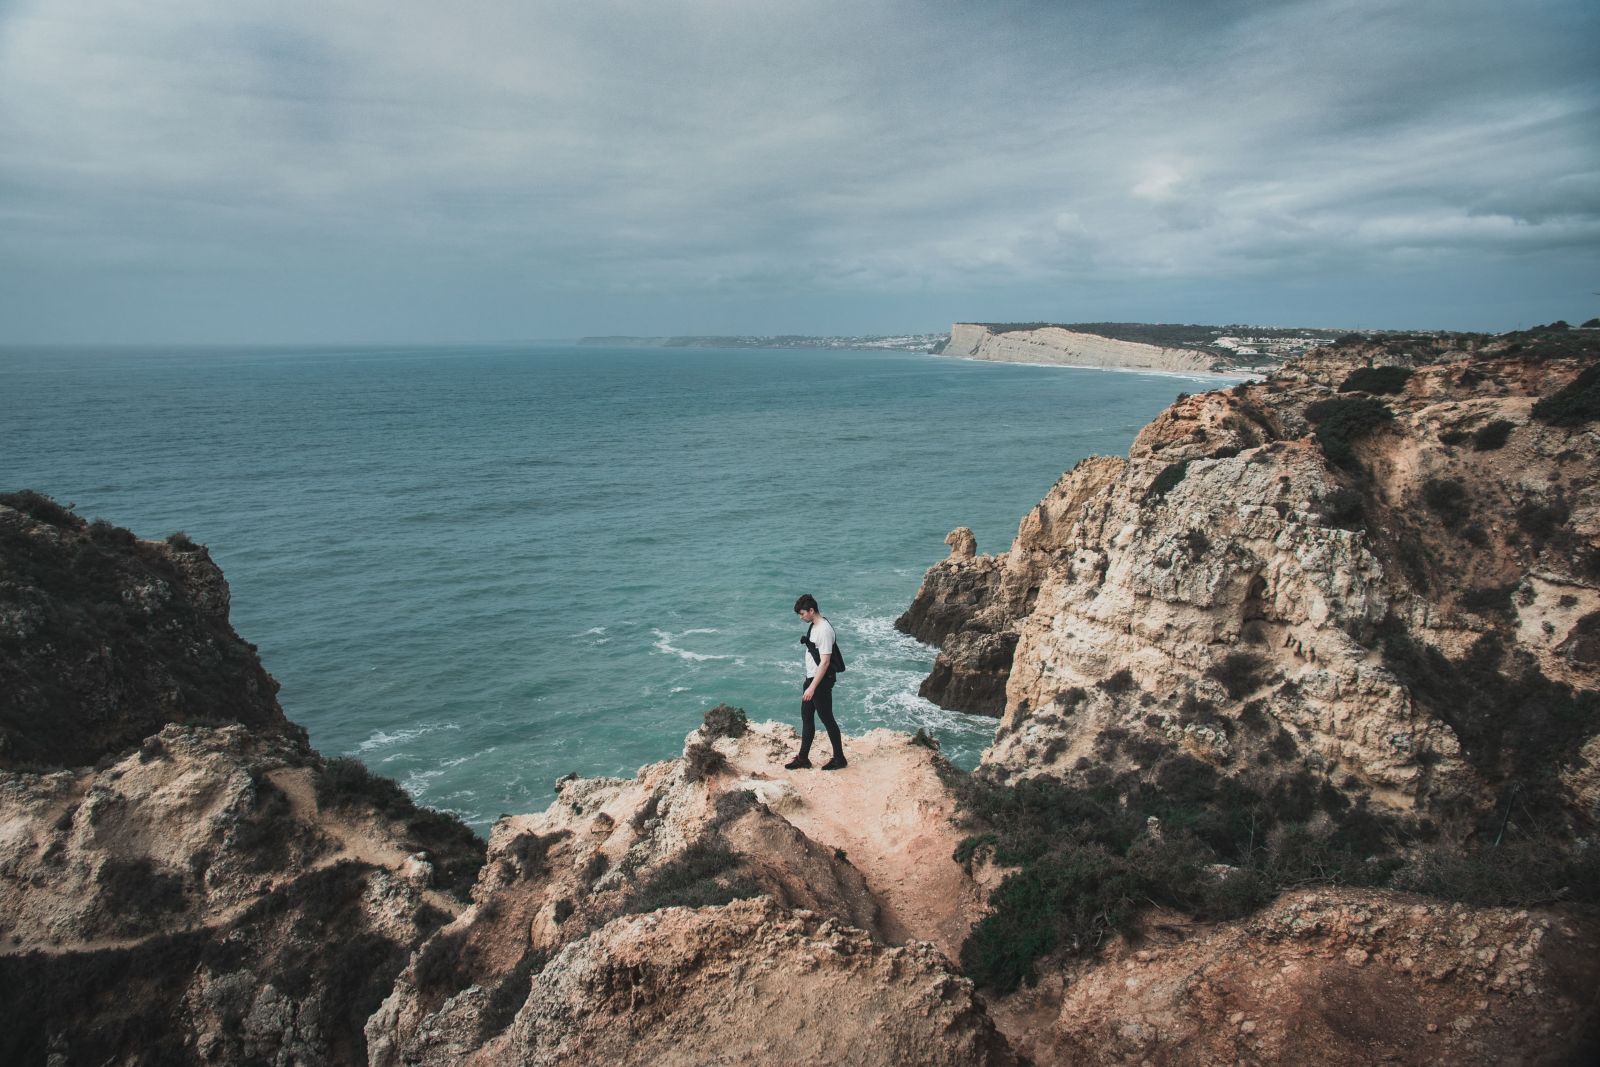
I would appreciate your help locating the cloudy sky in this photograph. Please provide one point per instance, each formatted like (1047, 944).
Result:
(392, 170)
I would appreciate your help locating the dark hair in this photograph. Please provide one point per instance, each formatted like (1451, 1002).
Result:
(806, 601)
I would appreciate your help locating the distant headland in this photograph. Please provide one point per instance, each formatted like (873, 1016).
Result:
(911, 342)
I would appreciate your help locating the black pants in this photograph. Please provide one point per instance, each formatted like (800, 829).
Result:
(820, 704)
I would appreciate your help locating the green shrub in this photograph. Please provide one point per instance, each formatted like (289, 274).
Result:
(1488, 600)
(137, 895)
(1344, 508)
(441, 969)
(1067, 701)
(1239, 672)
(1541, 520)
(1253, 717)
(265, 834)
(182, 542)
(508, 995)
(1073, 900)
(701, 761)
(725, 720)
(1089, 860)
(732, 805)
(528, 852)
(1447, 498)
(1169, 478)
(1492, 436)
(1575, 403)
(1376, 380)
(1120, 682)
(1512, 721)
(42, 509)
(345, 781)
(1515, 874)
(647, 811)
(106, 533)
(1342, 421)
(108, 1005)
(705, 873)
(969, 846)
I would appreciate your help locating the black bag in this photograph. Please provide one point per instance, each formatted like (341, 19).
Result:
(835, 661)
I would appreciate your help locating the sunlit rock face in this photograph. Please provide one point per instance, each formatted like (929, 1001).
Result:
(1053, 344)
(1231, 592)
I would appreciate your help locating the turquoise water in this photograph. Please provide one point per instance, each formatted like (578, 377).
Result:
(479, 568)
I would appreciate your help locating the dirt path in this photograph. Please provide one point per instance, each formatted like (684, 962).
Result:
(890, 814)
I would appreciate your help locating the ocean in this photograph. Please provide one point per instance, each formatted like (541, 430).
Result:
(478, 568)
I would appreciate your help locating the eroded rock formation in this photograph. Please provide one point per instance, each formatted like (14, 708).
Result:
(1323, 601)
(1324, 977)
(1259, 584)
(104, 638)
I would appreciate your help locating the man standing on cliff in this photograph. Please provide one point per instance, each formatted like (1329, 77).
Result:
(821, 658)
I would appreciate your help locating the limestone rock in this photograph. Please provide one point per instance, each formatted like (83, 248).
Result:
(1326, 976)
(1231, 593)
(192, 899)
(963, 545)
(868, 851)
(749, 983)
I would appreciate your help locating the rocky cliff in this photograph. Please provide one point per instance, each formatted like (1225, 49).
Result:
(182, 879)
(1069, 348)
(1296, 763)
(1391, 588)
(104, 638)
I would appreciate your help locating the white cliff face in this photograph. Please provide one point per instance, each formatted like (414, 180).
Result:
(1052, 344)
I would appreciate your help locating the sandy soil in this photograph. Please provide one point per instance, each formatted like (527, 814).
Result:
(890, 814)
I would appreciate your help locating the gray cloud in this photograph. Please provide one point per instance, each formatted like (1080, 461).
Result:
(538, 169)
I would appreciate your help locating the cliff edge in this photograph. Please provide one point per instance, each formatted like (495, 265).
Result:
(1380, 568)
(1071, 348)
(1296, 761)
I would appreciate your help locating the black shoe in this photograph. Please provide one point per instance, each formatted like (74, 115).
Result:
(797, 764)
(835, 764)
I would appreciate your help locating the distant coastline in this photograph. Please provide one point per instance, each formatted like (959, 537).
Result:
(914, 342)
(1197, 350)
(1200, 351)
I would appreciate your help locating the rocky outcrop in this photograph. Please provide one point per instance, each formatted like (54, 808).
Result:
(753, 984)
(105, 638)
(210, 889)
(965, 609)
(1272, 591)
(820, 885)
(1070, 348)
(1325, 976)
(212, 896)
(1354, 617)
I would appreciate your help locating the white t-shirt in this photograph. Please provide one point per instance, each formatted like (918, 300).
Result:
(822, 637)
